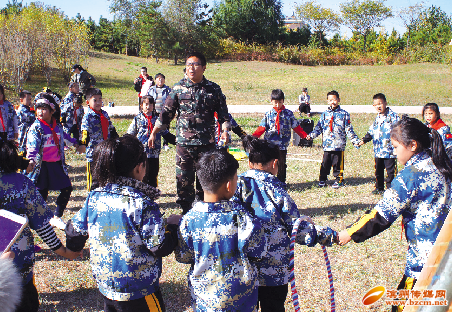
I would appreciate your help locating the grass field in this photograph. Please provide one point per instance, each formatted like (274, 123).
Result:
(252, 82)
(68, 285)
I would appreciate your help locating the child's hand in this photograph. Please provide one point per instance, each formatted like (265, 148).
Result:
(344, 238)
(8, 255)
(308, 138)
(361, 143)
(225, 137)
(67, 253)
(151, 140)
(174, 219)
(81, 149)
(30, 167)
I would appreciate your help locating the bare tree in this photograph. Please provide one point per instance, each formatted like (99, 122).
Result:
(408, 16)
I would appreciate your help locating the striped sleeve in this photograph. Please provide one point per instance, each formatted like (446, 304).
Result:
(369, 225)
(49, 237)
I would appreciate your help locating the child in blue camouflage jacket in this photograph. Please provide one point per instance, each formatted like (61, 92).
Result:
(141, 127)
(420, 193)
(380, 133)
(127, 234)
(74, 90)
(96, 127)
(432, 116)
(72, 116)
(221, 241)
(265, 197)
(334, 125)
(26, 117)
(8, 118)
(277, 125)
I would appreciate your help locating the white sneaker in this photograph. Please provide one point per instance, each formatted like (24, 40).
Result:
(57, 222)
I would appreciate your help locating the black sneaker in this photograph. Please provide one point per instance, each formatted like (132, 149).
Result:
(322, 184)
(378, 192)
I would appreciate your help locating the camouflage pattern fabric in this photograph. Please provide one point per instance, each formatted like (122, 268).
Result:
(139, 128)
(124, 225)
(91, 124)
(220, 241)
(263, 194)
(153, 92)
(380, 131)
(195, 104)
(287, 122)
(186, 158)
(9, 120)
(19, 195)
(68, 99)
(67, 117)
(25, 119)
(335, 140)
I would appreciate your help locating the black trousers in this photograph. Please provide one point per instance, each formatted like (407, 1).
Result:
(391, 169)
(272, 298)
(30, 299)
(282, 166)
(405, 283)
(304, 108)
(150, 303)
(62, 199)
(333, 159)
(152, 171)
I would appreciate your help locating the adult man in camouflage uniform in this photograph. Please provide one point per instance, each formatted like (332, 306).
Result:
(195, 100)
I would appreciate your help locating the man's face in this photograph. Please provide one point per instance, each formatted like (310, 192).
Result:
(159, 81)
(195, 71)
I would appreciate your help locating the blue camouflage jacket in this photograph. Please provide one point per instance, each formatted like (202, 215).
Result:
(380, 133)
(287, 122)
(68, 99)
(195, 105)
(339, 120)
(67, 117)
(263, 194)
(9, 120)
(422, 196)
(220, 241)
(37, 140)
(19, 195)
(91, 124)
(25, 119)
(444, 132)
(139, 128)
(125, 227)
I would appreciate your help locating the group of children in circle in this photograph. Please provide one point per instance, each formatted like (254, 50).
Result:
(233, 239)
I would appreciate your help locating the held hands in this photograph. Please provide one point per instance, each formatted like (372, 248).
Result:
(8, 255)
(67, 253)
(151, 140)
(308, 138)
(361, 143)
(344, 238)
(174, 219)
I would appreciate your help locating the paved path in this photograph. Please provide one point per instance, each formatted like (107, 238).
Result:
(121, 111)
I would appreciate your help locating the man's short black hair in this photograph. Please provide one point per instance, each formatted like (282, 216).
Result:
(379, 96)
(145, 68)
(215, 168)
(92, 92)
(23, 94)
(333, 92)
(277, 94)
(199, 55)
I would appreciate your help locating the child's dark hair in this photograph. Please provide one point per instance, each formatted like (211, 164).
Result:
(145, 68)
(198, 55)
(409, 129)
(92, 92)
(277, 95)
(117, 157)
(9, 160)
(215, 168)
(72, 84)
(79, 98)
(432, 106)
(151, 101)
(160, 75)
(260, 151)
(2, 91)
(379, 96)
(23, 94)
(333, 92)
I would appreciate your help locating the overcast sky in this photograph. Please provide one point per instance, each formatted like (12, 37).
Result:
(97, 8)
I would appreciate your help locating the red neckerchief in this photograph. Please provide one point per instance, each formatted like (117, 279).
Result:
(215, 114)
(1, 116)
(54, 134)
(104, 123)
(278, 126)
(150, 125)
(75, 115)
(437, 125)
(143, 79)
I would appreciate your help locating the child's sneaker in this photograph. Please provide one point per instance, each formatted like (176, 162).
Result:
(337, 185)
(322, 184)
(57, 222)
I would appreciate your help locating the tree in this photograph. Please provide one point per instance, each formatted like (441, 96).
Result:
(433, 26)
(362, 17)
(408, 16)
(257, 21)
(320, 19)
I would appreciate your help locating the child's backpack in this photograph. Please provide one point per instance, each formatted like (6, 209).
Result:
(307, 125)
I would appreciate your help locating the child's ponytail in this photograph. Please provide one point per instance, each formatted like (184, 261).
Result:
(9, 160)
(117, 157)
(260, 151)
(439, 155)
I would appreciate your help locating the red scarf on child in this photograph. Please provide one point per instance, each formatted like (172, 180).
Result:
(278, 126)
(215, 114)
(1, 117)
(437, 125)
(104, 123)
(150, 125)
(54, 134)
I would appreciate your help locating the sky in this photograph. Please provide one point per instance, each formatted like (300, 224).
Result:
(98, 8)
